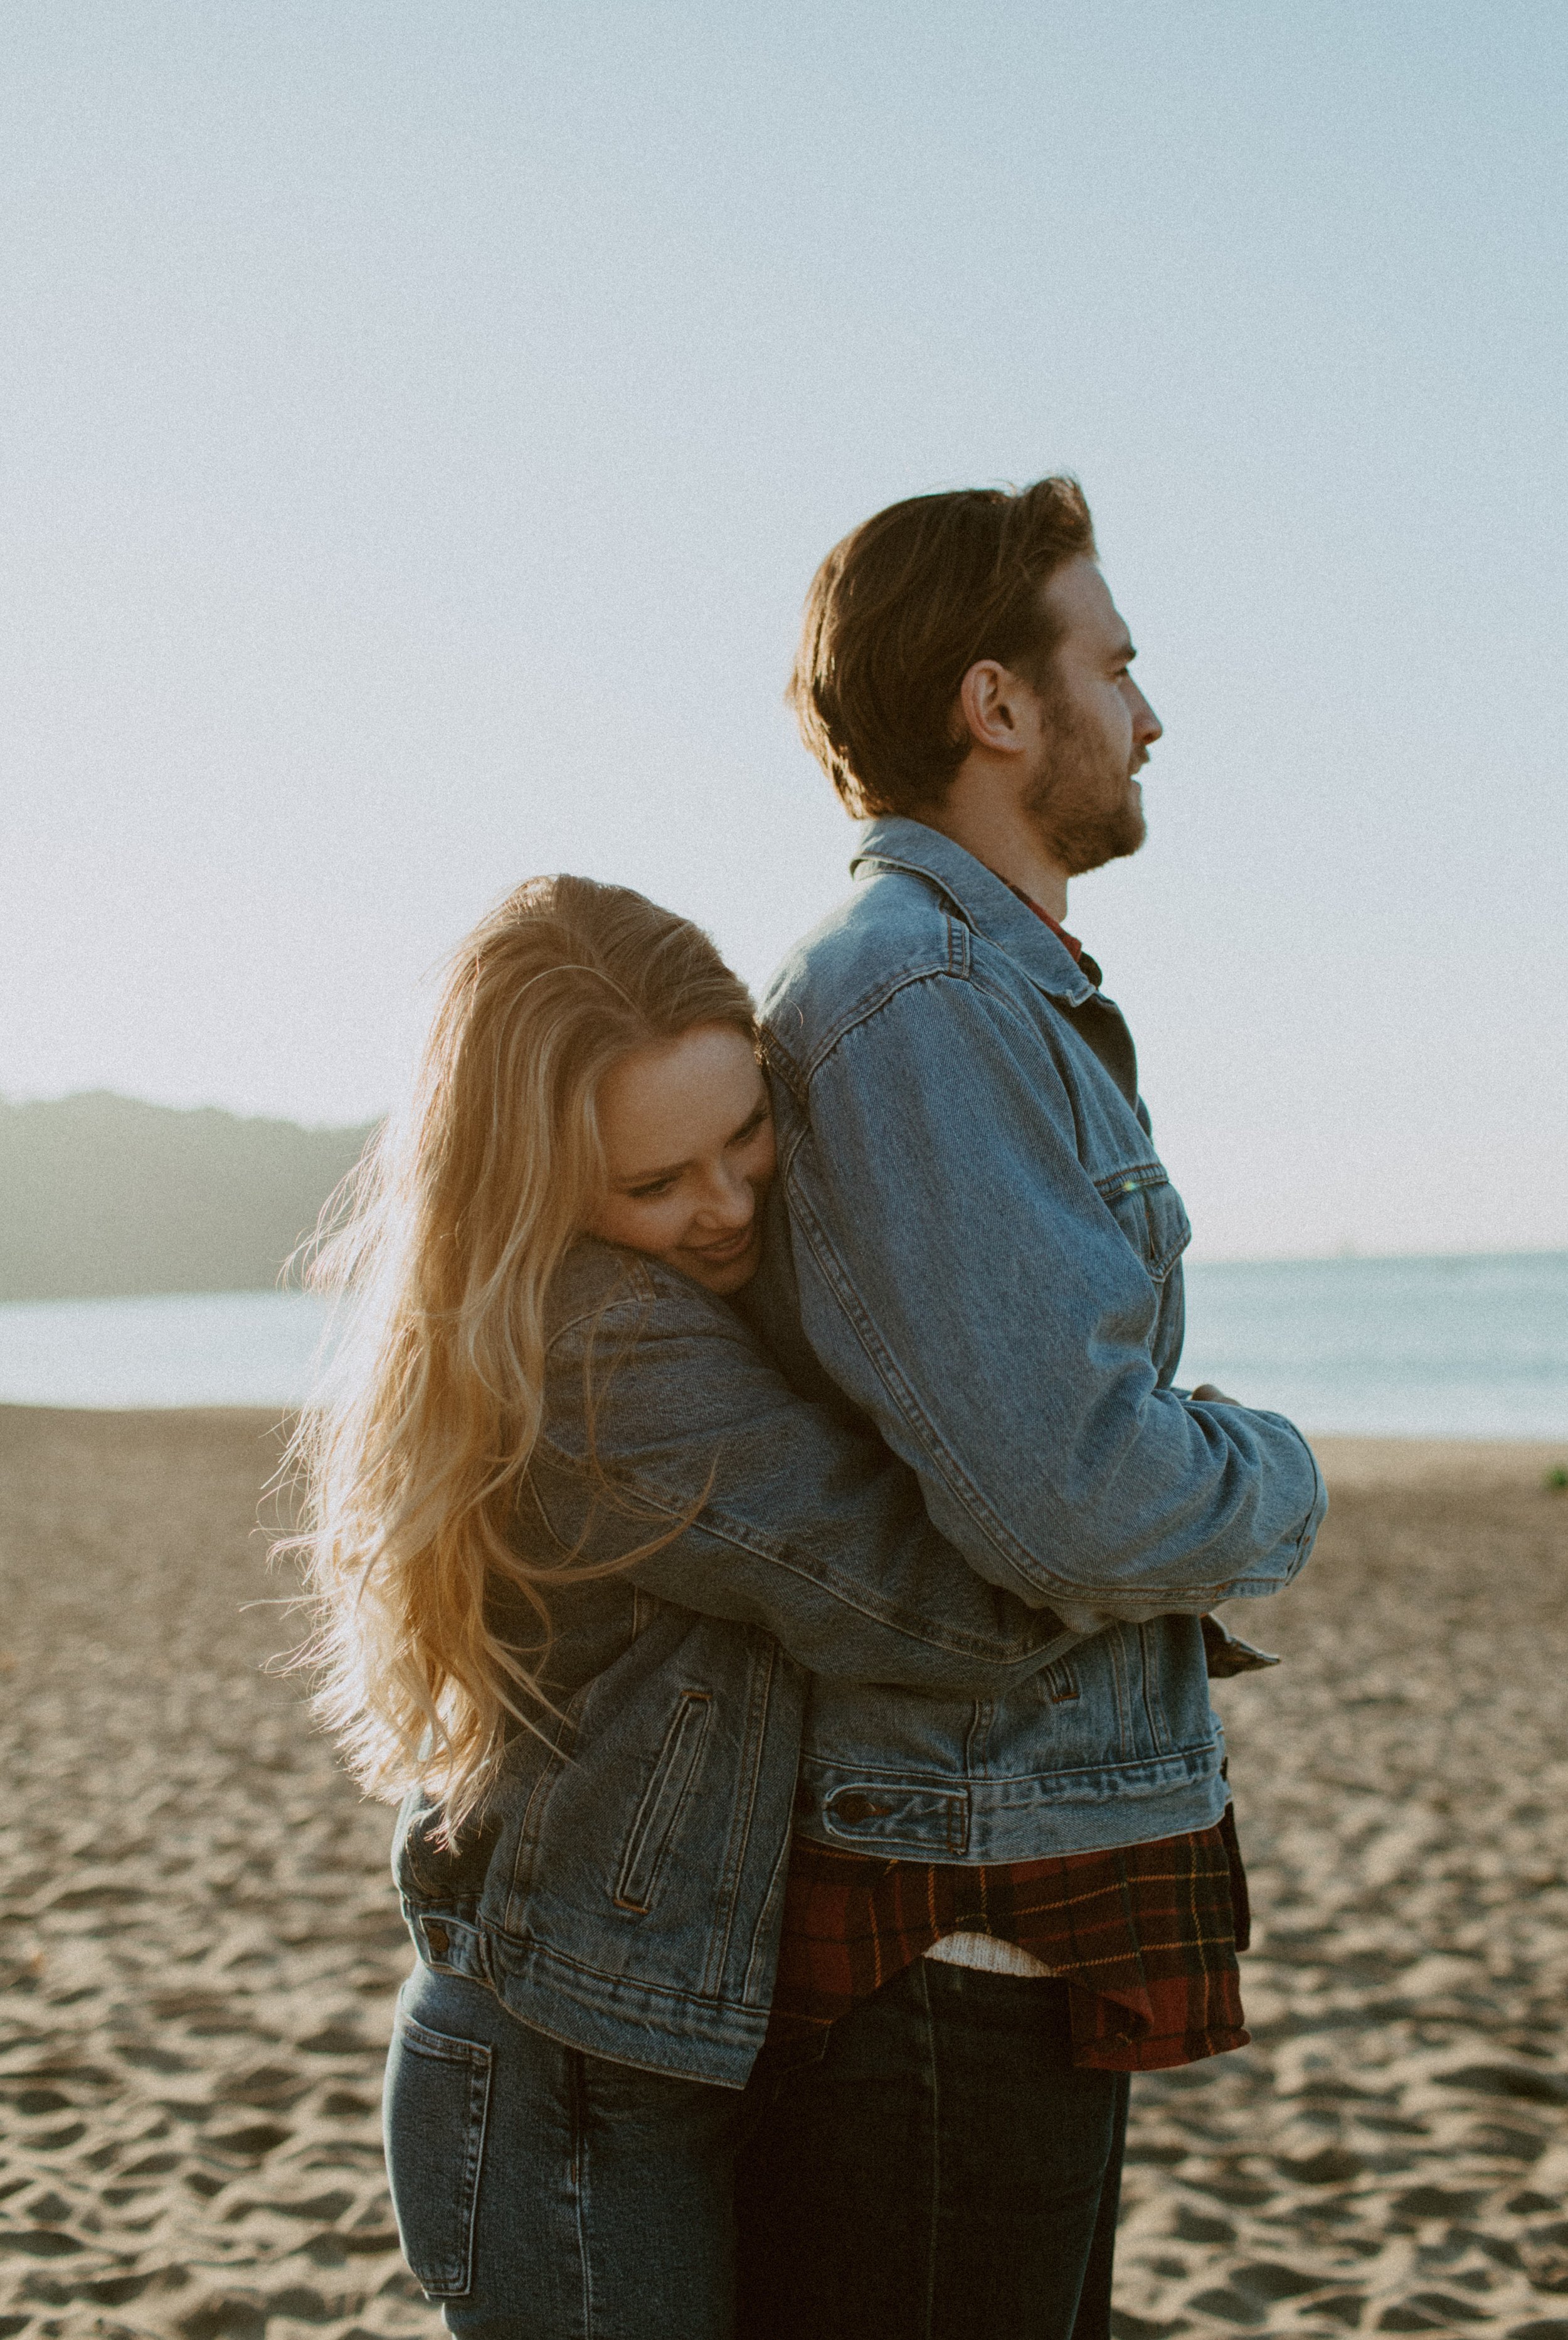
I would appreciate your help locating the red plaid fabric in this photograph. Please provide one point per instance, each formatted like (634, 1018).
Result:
(1145, 1937)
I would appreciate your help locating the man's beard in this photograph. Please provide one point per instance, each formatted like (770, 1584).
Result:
(1080, 819)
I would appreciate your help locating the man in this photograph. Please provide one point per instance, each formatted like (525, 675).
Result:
(995, 1910)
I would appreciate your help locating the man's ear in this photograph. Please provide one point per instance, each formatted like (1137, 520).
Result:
(993, 707)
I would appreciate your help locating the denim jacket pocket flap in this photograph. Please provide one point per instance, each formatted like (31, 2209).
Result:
(660, 1808)
(1147, 1209)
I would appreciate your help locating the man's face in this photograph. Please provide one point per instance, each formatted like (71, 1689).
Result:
(1096, 731)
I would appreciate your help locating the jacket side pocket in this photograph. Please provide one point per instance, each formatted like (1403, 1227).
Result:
(656, 1815)
(1059, 1683)
(437, 2104)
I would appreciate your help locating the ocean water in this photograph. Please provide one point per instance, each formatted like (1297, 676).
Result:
(1419, 1348)
(1432, 1348)
(180, 1348)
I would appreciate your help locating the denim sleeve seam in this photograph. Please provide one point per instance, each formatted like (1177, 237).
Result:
(1318, 1494)
(965, 971)
(682, 1307)
(634, 1292)
(863, 1012)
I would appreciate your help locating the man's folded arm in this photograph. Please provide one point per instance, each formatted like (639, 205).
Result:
(962, 1279)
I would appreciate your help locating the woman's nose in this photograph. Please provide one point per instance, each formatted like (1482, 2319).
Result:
(727, 1198)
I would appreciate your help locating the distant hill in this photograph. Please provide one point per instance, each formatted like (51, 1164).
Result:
(101, 1195)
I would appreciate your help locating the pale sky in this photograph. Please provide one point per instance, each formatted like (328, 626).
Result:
(420, 425)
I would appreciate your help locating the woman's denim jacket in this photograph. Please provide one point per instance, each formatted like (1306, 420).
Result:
(624, 1890)
(807, 1650)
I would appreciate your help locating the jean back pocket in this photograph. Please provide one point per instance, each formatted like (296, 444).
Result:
(437, 2104)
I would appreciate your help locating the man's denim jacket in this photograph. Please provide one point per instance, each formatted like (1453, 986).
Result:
(984, 1252)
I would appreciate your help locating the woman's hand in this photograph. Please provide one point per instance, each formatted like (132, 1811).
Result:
(1207, 1393)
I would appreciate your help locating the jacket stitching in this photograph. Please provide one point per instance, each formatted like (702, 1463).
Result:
(760, 1686)
(995, 1793)
(1071, 983)
(972, 975)
(863, 1009)
(765, 1941)
(858, 1599)
(652, 1829)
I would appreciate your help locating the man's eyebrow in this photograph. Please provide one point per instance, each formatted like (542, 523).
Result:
(652, 1177)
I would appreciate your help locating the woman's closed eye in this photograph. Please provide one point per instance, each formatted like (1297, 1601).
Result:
(655, 1187)
(650, 1190)
(749, 1129)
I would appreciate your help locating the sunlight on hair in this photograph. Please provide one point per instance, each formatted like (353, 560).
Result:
(438, 1252)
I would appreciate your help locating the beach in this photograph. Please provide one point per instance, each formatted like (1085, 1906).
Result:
(200, 1945)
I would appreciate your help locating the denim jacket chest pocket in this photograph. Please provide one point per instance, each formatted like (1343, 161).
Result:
(1147, 1209)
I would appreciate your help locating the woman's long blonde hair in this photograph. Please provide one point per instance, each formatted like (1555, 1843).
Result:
(445, 1241)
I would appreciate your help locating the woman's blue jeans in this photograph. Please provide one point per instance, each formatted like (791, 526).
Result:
(937, 2172)
(545, 2195)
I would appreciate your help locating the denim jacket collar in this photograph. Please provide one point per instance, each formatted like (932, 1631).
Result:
(981, 899)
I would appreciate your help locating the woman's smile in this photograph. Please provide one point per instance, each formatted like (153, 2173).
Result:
(725, 1247)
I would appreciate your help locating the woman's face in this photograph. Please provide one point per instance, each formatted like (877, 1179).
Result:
(689, 1140)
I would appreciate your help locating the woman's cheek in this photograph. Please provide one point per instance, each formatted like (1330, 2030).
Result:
(765, 1159)
(638, 1225)
(661, 1228)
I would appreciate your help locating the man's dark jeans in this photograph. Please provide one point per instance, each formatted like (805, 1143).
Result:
(939, 2172)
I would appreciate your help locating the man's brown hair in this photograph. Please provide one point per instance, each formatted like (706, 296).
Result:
(900, 611)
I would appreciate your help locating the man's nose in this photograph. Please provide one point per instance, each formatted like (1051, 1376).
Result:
(1147, 725)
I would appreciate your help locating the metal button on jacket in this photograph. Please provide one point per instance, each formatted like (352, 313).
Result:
(855, 1809)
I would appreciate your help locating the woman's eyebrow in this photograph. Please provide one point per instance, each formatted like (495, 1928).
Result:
(652, 1177)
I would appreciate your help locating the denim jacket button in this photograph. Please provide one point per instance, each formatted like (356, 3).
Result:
(439, 1940)
(855, 1809)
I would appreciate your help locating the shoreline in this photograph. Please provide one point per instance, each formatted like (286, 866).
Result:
(1383, 1458)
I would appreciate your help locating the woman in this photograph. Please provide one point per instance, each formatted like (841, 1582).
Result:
(577, 1548)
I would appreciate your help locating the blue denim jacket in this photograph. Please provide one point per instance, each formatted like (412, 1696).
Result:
(624, 1890)
(983, 1251)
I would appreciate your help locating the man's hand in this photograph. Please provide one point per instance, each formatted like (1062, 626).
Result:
(1212, 1396)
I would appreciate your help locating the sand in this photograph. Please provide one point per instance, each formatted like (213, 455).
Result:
(201, 1946)
(202, 1941)
(1391, 2154)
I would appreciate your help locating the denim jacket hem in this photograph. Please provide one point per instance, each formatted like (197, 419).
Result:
(898, 1816)
(681, 2035)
